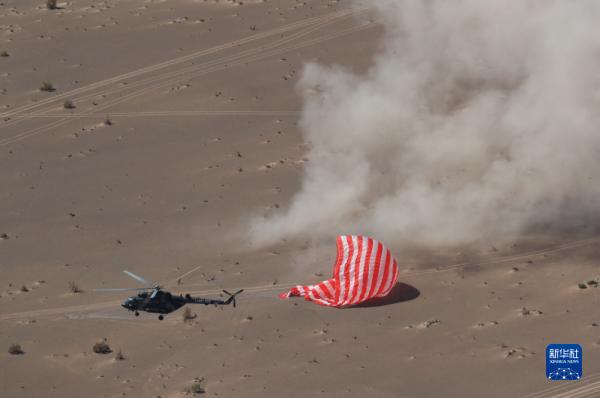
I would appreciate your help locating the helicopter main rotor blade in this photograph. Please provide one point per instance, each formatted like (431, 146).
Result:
(121, 289)
(138, 278)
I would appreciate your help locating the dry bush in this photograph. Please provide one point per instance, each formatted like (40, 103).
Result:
(196, 387)
(47, 86)
(102, 347)
(188, 315)
(119, 356)
(4, 54)
(24, 289)
(15, 349)
(51, 4)
(68, 104)
(74, 288)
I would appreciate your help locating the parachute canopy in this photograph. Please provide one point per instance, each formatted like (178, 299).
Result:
(364, 269)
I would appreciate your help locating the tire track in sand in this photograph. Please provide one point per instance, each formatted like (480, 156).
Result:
(176, 61)
(163, 114)
(225, 65)
(272, 287)
(586, 387)
(314, 25)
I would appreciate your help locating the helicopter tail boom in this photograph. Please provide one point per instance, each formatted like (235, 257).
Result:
(207, 301)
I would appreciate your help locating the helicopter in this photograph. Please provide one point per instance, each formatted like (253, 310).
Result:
(155, 300)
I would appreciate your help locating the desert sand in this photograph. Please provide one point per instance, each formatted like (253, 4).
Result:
(185, 123)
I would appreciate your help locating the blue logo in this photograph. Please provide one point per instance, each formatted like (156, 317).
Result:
(564, 362)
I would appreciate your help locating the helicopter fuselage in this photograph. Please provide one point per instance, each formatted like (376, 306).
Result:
(156, 302)
(162, 302)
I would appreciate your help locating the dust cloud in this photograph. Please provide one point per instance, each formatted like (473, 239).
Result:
(478, 121)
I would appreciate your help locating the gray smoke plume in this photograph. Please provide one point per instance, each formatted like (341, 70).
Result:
(479, 120)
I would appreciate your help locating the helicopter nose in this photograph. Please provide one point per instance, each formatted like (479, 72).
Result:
(126, 304)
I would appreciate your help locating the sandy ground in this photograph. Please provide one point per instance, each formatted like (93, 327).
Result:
(185, 124)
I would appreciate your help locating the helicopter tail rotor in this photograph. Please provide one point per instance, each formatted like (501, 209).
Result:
(231, 298)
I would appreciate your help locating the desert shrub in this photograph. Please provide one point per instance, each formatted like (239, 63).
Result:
(15, 349)
(108, 121)
(196, 387)
(47, 86)
(4, 53)
(24, 289)
(51, 4)
(187, 314)
(74, 288)
(68, 104)
(119, 356)
(102, 347)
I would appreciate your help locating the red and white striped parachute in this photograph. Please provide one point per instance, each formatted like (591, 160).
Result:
(364, 269)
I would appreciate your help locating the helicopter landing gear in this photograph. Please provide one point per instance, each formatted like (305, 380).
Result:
(160, 317)
(137, 313)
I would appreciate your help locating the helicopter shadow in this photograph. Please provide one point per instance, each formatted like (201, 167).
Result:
(400, 293)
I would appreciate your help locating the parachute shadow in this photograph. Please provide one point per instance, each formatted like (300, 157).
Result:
(400, 292)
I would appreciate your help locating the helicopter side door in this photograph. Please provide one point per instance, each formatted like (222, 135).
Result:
(160, 302)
